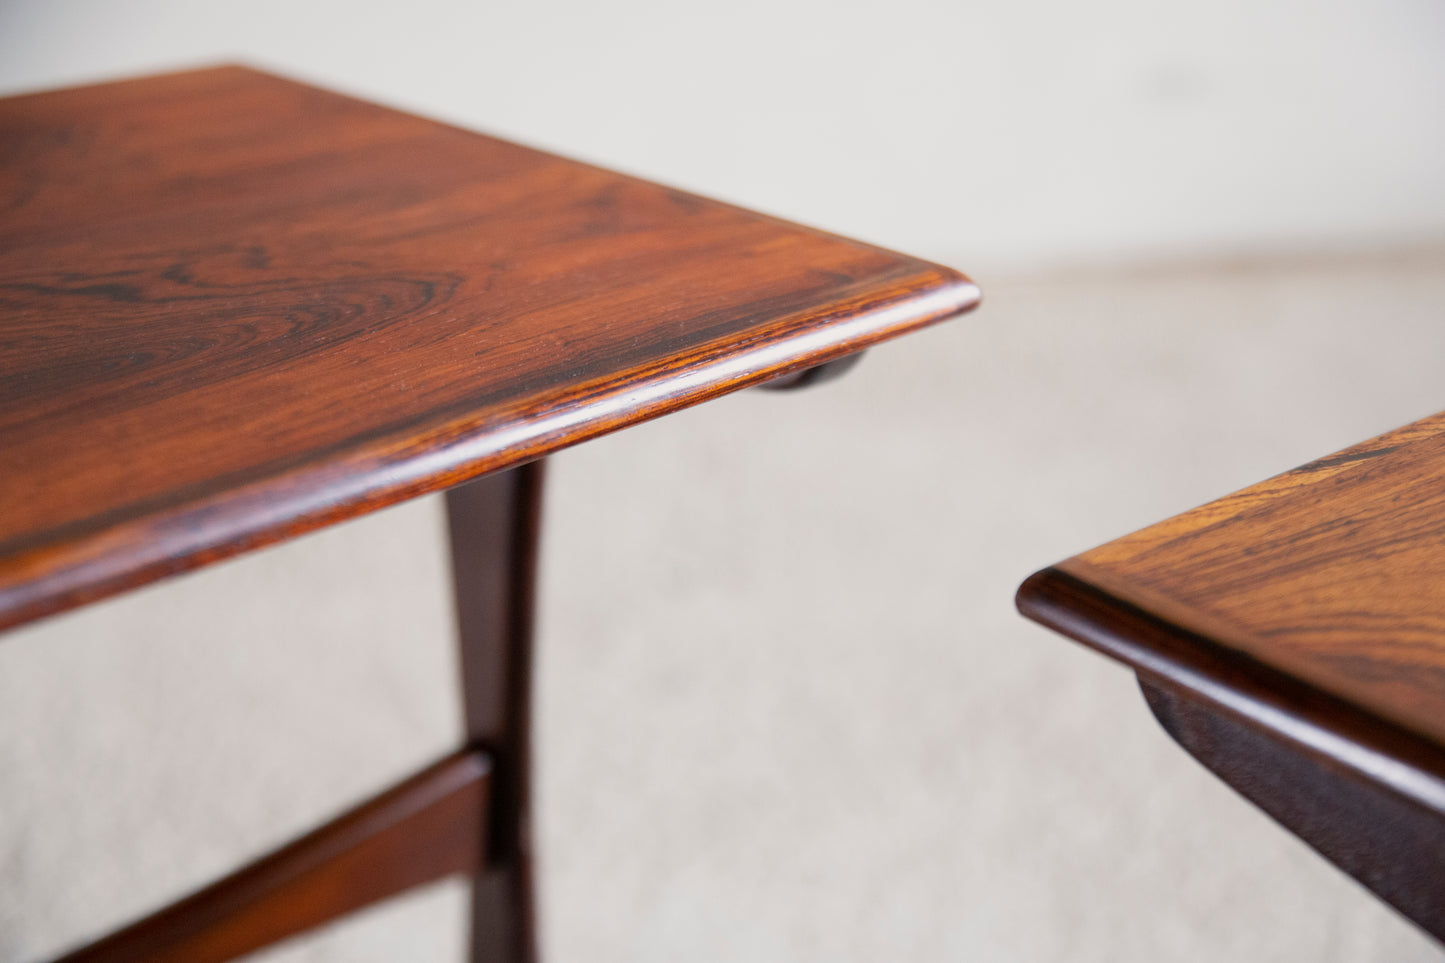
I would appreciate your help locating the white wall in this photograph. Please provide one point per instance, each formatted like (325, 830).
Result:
(998, 136)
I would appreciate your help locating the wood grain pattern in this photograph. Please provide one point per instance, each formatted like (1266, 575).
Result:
(234, 308)
(427, 827)
(1332, 574)
(1299, 624)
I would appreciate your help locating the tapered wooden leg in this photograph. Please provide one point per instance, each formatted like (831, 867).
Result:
(493, 525)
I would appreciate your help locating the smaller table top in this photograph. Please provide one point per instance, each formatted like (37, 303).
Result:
(233, 308)
(1312, 603)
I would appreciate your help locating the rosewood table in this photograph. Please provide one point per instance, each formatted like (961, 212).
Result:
(234, 308)
(1291, 637)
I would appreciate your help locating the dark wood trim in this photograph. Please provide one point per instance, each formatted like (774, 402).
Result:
(423, 829)
(1391, 845)
(493, 525)
(1409, 764)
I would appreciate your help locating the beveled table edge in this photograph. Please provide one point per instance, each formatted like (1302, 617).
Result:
(1063, 599)
(63, 574)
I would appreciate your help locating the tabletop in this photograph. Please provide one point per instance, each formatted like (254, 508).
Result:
(1312, 604)
(234, 308)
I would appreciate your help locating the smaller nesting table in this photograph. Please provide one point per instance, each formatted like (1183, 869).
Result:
(1291, 637)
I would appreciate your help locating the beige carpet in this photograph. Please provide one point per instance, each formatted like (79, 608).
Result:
(787, 711)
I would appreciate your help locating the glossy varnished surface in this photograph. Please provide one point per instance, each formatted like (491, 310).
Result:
(1292, 638)
(233, 307)
(1313, 603)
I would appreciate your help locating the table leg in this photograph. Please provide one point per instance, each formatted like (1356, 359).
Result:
(493, 524)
